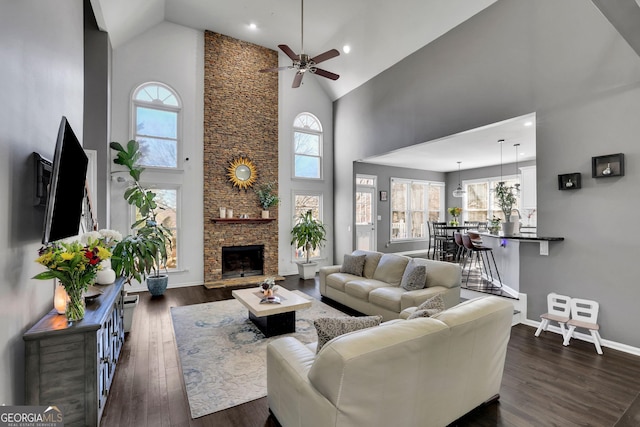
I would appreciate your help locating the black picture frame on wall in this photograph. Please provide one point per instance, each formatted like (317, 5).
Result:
(569, 181)
(383, 196)
(607, 166)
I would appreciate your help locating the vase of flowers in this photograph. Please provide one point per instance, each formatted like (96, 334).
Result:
(75, 265)
(268, 286)
(109, 238)
(455, 213)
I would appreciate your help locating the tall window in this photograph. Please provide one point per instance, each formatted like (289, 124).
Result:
(156, 110)
(307, 147)
(413, 204)
(304, 201)
(167, 215)
(480, 201)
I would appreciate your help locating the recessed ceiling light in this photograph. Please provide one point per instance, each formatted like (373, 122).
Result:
(252, 26)
(528, 124)
(346, 48)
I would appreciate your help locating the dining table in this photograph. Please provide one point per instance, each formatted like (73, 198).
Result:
(447, 246)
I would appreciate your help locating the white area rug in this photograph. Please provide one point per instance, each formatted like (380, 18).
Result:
(223, 354)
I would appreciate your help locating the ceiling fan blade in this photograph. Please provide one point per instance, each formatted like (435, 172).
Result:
(297, 80)
(290, 53)
(324, 56)
(327, 74)
(266, 70)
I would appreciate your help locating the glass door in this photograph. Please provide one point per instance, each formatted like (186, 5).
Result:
(365, 213)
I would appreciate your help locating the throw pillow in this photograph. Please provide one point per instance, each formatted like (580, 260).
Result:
(434, 303)
(427, 312)
(329, 328)
(353, 264)
(414, 277)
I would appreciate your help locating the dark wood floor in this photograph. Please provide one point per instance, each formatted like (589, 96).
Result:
(544, 383)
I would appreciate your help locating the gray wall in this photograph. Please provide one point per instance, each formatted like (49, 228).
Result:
(97, 101)
(562, 60)
(41, 51)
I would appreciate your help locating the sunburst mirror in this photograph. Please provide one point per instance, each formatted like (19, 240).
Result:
(242, 173)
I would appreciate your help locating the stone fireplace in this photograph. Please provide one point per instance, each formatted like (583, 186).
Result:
(240, 119)
(242, 261)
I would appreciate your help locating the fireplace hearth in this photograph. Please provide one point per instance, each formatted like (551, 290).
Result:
(242, 261)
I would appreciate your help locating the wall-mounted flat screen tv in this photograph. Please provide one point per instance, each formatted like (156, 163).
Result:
(66, 193)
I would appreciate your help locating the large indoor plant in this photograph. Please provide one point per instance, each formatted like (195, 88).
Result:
(142, 254)
(506, 199)
(309, 234)
(268, 196)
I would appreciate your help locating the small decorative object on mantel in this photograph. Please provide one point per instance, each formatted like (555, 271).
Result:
(569, 181)
(242, 173)
(607, 166)
(268, 196)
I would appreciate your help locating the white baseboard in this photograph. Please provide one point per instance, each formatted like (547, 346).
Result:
(586, 337)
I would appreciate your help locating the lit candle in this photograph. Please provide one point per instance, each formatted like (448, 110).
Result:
(60, 299)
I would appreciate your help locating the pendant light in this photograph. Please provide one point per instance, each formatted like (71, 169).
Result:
(517, 184)
(459, 192)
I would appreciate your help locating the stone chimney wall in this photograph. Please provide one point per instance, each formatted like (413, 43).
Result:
(240, 119)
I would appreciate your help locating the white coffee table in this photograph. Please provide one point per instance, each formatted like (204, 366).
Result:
(272, 319)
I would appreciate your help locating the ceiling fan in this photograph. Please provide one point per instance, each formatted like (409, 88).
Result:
(302, 63)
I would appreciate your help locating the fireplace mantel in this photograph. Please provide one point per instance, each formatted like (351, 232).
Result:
(241, 220)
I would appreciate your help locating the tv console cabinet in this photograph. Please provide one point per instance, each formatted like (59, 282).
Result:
(72, 366)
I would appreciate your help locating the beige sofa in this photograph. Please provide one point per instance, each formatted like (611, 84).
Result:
(420, 372)
(378, 290)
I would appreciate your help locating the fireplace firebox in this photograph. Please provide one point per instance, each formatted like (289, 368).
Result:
(242, 261)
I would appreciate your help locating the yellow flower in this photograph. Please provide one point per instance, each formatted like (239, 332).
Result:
(67, 256)
(103, 253)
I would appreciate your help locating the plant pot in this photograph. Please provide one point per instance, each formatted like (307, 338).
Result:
(130, 303)
(157, 284)
(265, 214)
(507, 228)
(307, 270)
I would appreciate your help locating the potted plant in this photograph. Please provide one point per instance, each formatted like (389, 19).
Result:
(142, 254)
(268, 196)
(309, 234)
(506, 201)
(494, 225)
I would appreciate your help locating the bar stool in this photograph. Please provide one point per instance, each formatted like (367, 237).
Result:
(461, 250)
(480, 251)
(584, 314)
(558, 310)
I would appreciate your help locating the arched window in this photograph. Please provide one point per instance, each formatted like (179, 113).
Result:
(307, 147)
(156, 110)
(156, 118)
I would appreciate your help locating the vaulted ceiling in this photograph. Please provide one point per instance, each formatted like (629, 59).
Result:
(379, 32)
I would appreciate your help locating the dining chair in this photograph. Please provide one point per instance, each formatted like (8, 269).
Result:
(441, 241)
